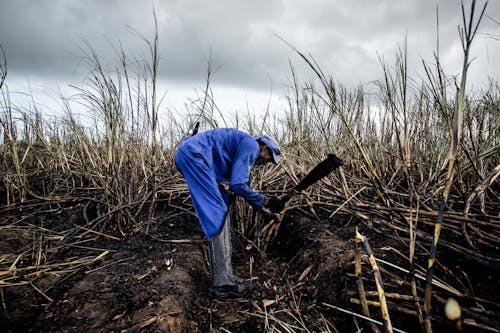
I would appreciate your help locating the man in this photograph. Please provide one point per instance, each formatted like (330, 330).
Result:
(208, 159)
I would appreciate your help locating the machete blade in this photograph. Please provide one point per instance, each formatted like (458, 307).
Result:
(321, 170)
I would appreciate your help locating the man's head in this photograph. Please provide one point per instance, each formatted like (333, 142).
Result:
(269, 150)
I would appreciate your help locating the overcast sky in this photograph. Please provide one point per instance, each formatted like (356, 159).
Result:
(42, 40)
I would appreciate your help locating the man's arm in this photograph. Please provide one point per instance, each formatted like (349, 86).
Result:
(252, 197)
(256, 199)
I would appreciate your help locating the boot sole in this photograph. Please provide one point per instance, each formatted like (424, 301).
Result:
(228, 295)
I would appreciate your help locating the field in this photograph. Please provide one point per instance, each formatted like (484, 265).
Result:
(98, 234)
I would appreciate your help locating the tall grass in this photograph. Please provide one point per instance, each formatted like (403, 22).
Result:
(123, 147)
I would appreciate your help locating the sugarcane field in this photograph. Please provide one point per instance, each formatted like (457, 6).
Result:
(350, 210)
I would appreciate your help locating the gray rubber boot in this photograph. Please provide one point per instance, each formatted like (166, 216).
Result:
(224, 283)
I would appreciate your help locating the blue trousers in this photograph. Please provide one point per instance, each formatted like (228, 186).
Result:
(210, 199)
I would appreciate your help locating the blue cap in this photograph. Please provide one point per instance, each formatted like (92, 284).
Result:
(273, 145)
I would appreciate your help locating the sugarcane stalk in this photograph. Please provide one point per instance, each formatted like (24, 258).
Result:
(481, 188)
(393, 306)
(413, 240)
(467, 33)
(361, 289)
(359, 238)
(3, 66)
(374, 293)
(154, 121)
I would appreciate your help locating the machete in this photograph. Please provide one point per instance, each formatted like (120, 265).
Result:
(324, 168)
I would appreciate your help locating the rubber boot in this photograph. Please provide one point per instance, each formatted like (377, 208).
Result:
(224, 283)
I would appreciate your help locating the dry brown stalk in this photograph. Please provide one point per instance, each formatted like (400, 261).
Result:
(373, 293)
(378, 280)
(361, 288)
(478, 194)
(393, 306)
(359, 316)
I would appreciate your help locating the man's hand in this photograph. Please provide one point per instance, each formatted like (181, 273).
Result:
(268, 215)
(275, 204)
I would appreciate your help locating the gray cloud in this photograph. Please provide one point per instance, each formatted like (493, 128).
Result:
(43, 38)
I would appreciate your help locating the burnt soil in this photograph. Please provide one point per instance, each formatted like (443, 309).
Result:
(146, 283)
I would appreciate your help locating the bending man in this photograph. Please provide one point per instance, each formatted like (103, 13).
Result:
(208, 159)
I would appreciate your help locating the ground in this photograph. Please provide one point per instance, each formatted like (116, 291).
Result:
(158, 282)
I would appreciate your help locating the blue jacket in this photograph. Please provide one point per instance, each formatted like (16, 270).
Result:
(209, 158)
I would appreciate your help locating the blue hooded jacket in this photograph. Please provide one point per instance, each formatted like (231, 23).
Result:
(210, 158)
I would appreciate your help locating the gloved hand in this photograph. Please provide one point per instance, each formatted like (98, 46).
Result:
(275, 204)
(268, 215)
